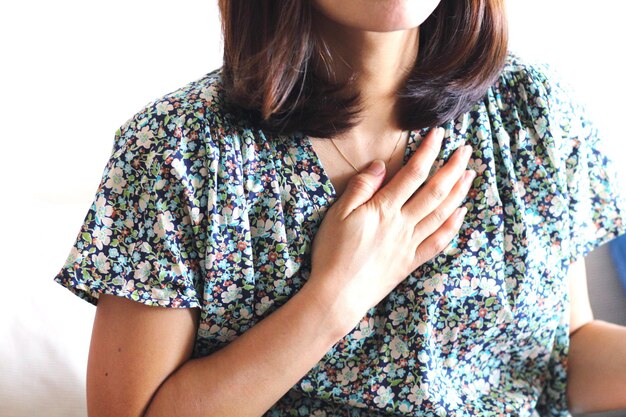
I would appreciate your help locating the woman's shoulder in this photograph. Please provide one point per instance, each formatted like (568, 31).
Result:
(535, 96)
(190, 111)
(188, 131)
(188, 142)
(525, 72)
(524, 67)
(534, 88)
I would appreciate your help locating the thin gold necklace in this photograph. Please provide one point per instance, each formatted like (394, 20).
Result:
(355, 168)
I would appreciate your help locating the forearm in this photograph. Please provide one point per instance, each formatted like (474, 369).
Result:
(597, 368)
(250, 374)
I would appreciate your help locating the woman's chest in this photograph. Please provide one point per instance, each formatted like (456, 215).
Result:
(499, 279)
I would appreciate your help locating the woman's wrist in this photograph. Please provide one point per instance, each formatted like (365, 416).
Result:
(337, 315)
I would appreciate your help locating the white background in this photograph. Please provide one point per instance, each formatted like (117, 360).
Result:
(73, 71)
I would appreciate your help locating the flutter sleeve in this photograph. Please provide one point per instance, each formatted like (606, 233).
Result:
(581, 203)
(139, 239)
(595, 196)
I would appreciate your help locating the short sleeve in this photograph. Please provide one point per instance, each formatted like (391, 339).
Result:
(575, 193)
(139, 237)
(595, 197)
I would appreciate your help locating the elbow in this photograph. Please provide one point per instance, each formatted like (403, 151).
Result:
(116, 399)
(162, 403)
(595, 374)
(178, 395)
(574, 406)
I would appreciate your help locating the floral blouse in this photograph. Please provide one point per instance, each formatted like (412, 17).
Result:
(197, 208)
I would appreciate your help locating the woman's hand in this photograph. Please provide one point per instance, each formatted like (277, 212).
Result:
(372, 238)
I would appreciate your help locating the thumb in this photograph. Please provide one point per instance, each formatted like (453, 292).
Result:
(362, 186)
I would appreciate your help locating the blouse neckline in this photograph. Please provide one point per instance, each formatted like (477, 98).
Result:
(316, 172)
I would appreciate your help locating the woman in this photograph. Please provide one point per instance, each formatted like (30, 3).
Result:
(402, 304)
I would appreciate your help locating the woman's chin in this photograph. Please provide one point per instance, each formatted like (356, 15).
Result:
(377, 15)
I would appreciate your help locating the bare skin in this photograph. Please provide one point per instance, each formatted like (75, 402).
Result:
(339, 171)
(596, 379)
(381, 62)
(378, 44)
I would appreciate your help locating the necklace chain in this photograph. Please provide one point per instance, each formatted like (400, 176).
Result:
(355, 168)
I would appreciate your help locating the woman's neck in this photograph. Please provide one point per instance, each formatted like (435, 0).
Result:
(380, 62)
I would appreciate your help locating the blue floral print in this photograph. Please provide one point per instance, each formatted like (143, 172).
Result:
(197, 208)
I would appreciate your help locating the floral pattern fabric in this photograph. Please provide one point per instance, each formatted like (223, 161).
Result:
(197, 208)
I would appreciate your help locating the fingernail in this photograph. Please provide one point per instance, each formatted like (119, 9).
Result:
(470, 174)
(377, 167)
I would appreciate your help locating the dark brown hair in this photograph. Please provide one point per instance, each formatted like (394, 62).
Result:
(271, 52)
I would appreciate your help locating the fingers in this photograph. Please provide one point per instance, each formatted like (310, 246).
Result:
(446, 209)
(439, 240)
(404, 183)
(436, 190)
(360, 189)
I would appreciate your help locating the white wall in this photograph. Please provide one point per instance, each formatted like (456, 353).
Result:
(74, 71)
